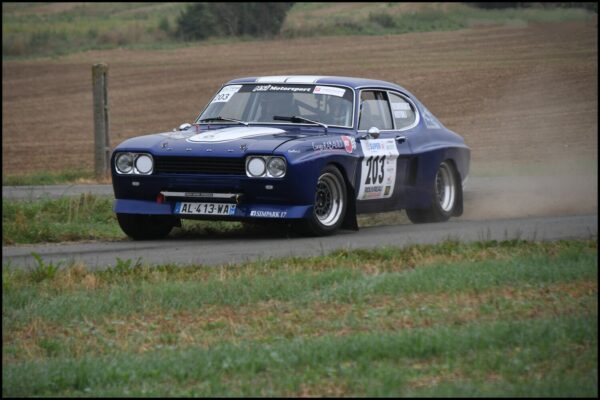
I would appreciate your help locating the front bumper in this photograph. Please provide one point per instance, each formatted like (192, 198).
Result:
(242, 211)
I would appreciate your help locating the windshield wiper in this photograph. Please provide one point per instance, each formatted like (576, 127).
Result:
(296, 119)
(219, 118)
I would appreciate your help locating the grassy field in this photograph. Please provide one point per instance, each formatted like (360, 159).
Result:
(55, 29)
(322, 19)
(484, 319)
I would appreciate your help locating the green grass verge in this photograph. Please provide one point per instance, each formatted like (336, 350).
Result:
(38, 30)
(483, 319)
(55, 220)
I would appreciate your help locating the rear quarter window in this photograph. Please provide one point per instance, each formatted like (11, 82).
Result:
(403, 112)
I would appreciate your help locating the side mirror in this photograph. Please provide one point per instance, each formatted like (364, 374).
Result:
(373, 132)
(185, 126)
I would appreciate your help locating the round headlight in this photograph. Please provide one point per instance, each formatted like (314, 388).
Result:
(256, 166)
(143, 164)
(276, 167)
(124, 163)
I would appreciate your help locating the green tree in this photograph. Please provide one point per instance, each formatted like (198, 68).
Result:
(202, 20)
(196, 22)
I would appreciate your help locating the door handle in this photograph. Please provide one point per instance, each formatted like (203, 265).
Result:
(401, 139)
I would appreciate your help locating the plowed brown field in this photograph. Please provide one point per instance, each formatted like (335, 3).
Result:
(521, 97)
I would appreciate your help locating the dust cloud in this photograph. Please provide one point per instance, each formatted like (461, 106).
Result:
(529, 196)
(535, 146)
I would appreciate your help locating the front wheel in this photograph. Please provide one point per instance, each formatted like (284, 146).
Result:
(443, 200)
(146, 227)
(330, 204)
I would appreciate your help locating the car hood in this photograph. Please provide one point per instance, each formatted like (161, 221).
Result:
(214, 142)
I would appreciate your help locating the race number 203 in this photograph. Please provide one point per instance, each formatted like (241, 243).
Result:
(378, 169)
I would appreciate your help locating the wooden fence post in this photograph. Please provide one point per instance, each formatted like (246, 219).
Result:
(101, 136)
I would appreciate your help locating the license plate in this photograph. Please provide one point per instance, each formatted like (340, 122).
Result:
(205, 208)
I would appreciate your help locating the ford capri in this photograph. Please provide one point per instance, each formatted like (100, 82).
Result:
(310, 151)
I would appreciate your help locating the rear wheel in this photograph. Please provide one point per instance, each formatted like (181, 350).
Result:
(443, 200)
(330, 203)
(146, 227)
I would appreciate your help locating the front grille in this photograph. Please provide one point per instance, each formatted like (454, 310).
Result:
(200, 165)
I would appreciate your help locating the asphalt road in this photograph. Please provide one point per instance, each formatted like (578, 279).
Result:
(238, 248)
(499, 208)
(53, 191)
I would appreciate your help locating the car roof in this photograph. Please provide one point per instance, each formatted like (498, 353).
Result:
(354, 83)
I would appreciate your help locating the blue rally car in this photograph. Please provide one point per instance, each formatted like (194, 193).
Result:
(312, 150)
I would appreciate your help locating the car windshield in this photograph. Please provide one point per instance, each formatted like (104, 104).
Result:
(259, 103)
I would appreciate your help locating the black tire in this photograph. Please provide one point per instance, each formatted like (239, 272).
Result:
(444, 197)
(146, 227)
(331, 203)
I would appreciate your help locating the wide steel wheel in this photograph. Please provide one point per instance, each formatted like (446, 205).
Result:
(444, 195)
(330, 203)
(445, 188)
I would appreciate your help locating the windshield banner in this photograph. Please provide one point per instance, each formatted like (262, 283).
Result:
(310, 89)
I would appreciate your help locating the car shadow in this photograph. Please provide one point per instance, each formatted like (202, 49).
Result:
(245, 230)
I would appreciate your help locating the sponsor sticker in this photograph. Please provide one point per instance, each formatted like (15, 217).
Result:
(226, 93)
(349, 143)
(333, 91)
(430, 120)
(374, 146)
(261, 88)
(285, 89)
(401, 106)
(268, 213)
(335, 144)
(400, 114)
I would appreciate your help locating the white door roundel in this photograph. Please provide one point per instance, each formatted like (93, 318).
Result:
(378, 169)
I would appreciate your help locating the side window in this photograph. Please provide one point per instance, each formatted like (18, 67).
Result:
(404, 113)
(374, 111)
